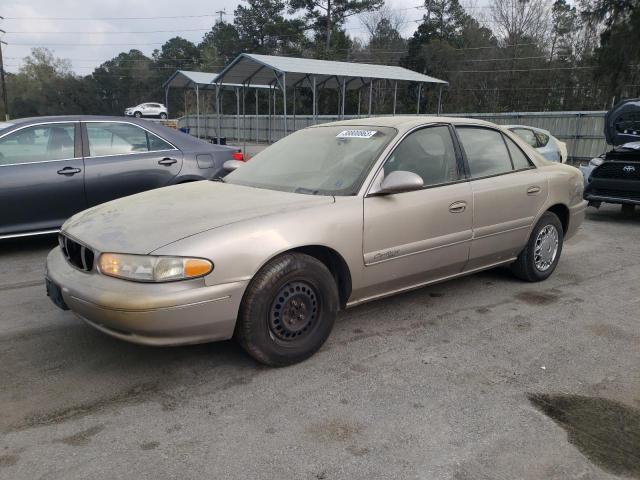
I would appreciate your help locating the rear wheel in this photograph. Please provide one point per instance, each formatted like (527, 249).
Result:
(163, 115)
(628, 209)
(137, 114)
(540, 257)
(288, 310)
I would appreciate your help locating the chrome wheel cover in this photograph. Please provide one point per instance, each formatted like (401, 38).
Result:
(546, 248)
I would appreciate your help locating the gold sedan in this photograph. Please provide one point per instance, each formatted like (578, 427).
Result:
(329, 217)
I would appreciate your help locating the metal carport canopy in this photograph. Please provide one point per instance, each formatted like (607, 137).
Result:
(259, 69)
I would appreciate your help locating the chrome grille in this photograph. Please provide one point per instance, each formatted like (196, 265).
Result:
(77, 255)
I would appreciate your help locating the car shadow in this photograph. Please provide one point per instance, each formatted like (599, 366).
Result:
(613, 213)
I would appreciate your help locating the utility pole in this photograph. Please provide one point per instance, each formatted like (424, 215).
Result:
(221, 13)
(2, 81)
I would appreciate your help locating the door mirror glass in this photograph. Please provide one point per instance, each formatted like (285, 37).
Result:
(231, 165)
(400, 181)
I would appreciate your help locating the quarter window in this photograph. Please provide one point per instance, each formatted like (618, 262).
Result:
(485, 150)
(110, 138)
(429, 153)
(38, 144)
(543, 139)
(519, 159)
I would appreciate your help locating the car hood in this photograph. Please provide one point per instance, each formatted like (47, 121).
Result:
(147, 221)
(622, 123)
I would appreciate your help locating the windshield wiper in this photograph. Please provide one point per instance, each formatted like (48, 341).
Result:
(306, 191)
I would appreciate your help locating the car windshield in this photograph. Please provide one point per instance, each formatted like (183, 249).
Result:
(331, 160)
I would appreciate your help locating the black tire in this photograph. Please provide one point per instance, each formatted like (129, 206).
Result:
(163, 116)
(525, 267)
(288, 310)
(137, 115)
(627, 209)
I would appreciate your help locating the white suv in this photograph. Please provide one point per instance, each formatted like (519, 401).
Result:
(147, 110)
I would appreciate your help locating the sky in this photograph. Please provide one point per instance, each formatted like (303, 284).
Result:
(92, 31)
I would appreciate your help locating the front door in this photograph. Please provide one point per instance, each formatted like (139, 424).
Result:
(414, 237)
(508, 193)
(41, 177)
(123, 159)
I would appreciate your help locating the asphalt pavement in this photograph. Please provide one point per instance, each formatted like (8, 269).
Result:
(484, 377)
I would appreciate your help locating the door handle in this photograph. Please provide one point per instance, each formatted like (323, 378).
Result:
(533, 190)
(167, 161)
(458, 207)
(69, 171)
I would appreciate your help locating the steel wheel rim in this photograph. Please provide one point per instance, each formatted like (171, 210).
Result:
(294, 312)
(546, 247)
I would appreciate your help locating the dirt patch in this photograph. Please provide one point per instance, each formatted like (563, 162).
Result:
(149, 446)
(82, 438)
(605, 431)
(537, 298)
(135, 395)
(8, 460)
(334, 431)
(612, 332)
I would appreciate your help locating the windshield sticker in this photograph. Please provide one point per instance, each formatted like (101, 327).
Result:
(356, 134)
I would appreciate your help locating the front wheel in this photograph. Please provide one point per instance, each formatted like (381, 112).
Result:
(288, 310)
(540, 257)
(137, 114)
(163, 116)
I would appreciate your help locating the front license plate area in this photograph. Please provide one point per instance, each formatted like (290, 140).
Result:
(55, 294)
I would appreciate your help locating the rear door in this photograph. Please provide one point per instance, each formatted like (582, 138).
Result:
(41, 177)
(122, 158)
(508, 193)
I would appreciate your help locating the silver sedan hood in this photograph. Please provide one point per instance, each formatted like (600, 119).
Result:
(147, 221)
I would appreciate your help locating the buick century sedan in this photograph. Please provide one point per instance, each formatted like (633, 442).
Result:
(329, 217)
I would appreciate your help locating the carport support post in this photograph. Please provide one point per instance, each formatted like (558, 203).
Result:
(395, 95)
(237, 114)
(315, 103)
(359, 100)
(439, 100)
(166, 99)
(244, 122)
(269, 121)
(198, 110)
(294, 109)
(284, 101)
(419, 94)
(370, 94)
(344, 98)
(219, 132)
(257, 119)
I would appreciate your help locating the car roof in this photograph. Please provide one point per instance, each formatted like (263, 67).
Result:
(76, 118)
(405, 122)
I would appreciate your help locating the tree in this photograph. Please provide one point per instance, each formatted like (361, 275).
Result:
(221, 44)
(517, 20)
(326, 17)
(264, 29)
(177, 53)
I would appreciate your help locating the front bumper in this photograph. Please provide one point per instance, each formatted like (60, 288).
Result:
(176, 313)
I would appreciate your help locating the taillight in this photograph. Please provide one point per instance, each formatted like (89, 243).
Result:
(237, 156)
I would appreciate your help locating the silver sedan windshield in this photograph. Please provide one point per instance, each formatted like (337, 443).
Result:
(319, 161)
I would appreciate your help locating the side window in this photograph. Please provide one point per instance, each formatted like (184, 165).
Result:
(110, 138)
(486, 151)
(543, 139)
(527, 135)
(519, 159)
(156, 143)
(38, 143)
(428, 152)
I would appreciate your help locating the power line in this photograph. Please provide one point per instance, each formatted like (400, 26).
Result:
(111, 33)
(112, 18)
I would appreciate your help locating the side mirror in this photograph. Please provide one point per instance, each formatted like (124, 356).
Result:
(231, 165)
(399, 181)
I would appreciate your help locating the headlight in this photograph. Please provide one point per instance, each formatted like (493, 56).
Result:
(596, 162)
(149, 268)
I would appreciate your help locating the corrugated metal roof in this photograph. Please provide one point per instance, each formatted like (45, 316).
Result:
(254, 68)
(204, 80)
